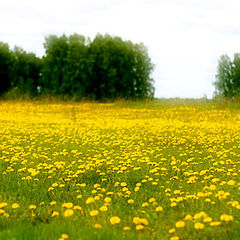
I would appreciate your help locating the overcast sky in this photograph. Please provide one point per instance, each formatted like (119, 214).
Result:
(185, 38)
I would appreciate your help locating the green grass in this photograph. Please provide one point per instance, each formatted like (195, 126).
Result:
(181, 155)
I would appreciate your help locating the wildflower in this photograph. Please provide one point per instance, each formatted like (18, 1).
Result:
(67, 205)
(180, 224)
(31, 207)
(97, 225)
(198, 226)
(215, 224)
(3, 204)
(159, 209)
(115, 220)
(226, 218)
(53, 203)
(173, 230)
(139, 227)
(68, 212)
(103, 208)
(107, 200)
(15, 205)
(55, 213)
(126, 228)
(90, 200)
(93, 213)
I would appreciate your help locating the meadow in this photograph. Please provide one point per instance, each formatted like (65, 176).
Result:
(124, 170)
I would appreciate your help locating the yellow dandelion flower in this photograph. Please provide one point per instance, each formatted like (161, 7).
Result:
(90, 200)
(31, 207)
(3, 204)
(174, 238)
(137, 220)
(226, 218)
(67, 205)
(65, 236)
(115, 220)
(97, 225)
(180, 224)
(130, 201)
(144, 221)
(159, 209)
(215, 224)
(93, 213)
(107, 199)
(15, 205)
(139, 227)
(173, 230)
(103, 208)
(55, 213)
(68, 212)
(53, 203)
(198, 226)
(126, 228)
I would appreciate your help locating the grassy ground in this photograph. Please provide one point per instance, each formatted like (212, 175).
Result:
(125, 170)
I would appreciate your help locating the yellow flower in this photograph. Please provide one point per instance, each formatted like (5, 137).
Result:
(65, 236)
(188, 217)
(173, 230)
(103, 208)
(32, 207)
(198, 226)
(159, 209)
(93, 213)
(107, 200)
(3, 204)
(137, 220)
(144, 221)
(97, 225)
(215, 224)
(139, 227)
(123, 184)
(77, 208)
(15, 205)
(68, 212)
(130, 201)
(90, 200)
(53, 203)
(226, 218)
(180, 224)
(174, 238)
(67, 205)
(207, 219)
(55, 213)
(115, 220)
(126, 228)
(231, 183)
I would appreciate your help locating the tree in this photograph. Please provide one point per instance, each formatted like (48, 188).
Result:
(27, 69)
(105, 68)
(6, 67)
(228, 76)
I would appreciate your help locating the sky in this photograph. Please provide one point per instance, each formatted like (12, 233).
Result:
(184, 38)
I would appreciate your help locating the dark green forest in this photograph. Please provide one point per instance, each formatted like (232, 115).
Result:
(105, 68)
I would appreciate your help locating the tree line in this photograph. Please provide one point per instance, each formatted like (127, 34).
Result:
(75, 66)
(227, 82)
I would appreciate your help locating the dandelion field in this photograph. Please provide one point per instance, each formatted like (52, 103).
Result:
(124, 170)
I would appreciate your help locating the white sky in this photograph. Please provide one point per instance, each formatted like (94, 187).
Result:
(185, 38)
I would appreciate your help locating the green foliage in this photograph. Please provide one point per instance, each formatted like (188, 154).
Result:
(105, 68)
(75, 67)
(228, 76)
(26, 71)
(6, 67)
